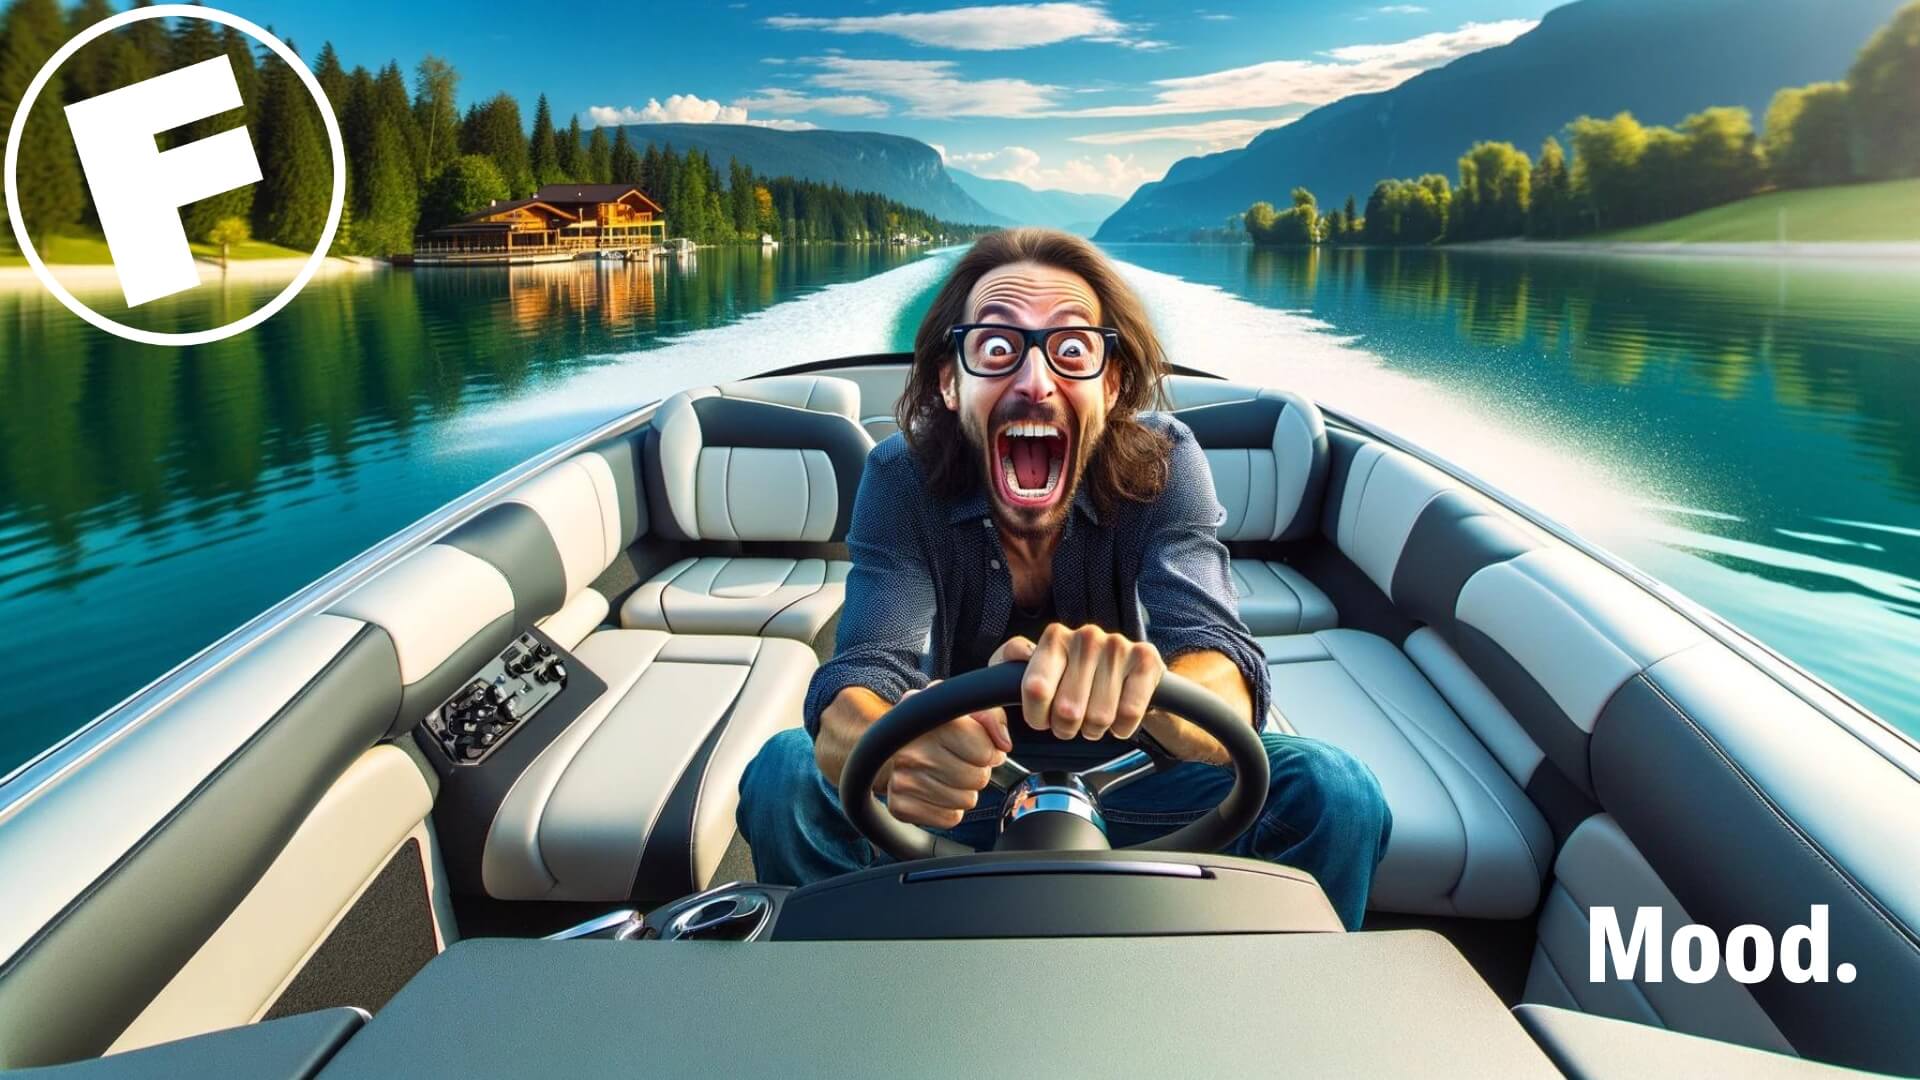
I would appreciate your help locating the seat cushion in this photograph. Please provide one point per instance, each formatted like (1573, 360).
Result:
(1275, 599)
(766, 597)
(1466, 841)
(636, 797)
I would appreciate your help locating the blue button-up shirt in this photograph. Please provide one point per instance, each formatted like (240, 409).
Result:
(930, 581)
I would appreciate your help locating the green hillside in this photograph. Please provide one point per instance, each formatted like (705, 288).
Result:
(1657, 59)
(1853, 213)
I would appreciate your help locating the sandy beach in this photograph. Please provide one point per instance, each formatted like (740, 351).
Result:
(93, 278)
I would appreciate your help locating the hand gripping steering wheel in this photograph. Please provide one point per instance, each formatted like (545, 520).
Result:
(1044, 796)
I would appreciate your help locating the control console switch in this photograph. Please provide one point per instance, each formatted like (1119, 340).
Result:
(498, 699)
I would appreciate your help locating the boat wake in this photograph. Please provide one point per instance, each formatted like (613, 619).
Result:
(1523, 453)
(844, 319)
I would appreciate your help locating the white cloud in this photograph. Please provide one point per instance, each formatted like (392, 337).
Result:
(984, 28)
(935, 88)
(1356, 69)
(684, 109)
(1430, 50)
(1207, 134)
(1401, 9)
(1108, 174)
(774, 99)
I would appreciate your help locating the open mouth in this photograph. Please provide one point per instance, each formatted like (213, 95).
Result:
(1032, 455)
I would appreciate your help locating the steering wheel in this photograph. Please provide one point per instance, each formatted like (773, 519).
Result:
(1068, 798)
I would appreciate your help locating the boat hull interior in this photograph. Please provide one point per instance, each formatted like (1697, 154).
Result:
(307, 815)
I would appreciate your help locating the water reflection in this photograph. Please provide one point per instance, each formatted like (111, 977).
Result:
(151, 499)
(1765, 415)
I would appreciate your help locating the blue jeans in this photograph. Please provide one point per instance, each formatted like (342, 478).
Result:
(1324, 815)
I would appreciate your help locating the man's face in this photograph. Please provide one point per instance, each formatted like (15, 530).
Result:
(1034, 430)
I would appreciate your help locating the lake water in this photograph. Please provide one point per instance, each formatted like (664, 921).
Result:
(1746, 432)
(153, 499)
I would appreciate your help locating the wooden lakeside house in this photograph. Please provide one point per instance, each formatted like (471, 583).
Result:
(560, 221)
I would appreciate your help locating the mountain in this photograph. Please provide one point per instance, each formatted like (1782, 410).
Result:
(1656, 58)
(902, 169)
(1023, 205)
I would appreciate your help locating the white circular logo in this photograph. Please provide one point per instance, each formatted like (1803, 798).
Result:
(107, 26)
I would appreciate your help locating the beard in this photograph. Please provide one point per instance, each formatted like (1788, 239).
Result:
(1083, 439)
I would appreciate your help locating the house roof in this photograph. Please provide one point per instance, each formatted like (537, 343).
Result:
(521, 204)
(592, 193)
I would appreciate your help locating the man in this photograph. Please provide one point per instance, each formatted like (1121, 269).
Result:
(1031, 510)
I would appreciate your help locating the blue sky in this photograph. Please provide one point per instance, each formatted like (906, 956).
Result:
(1079, 96)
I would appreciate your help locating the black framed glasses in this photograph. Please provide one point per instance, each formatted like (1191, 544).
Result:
(993, 350)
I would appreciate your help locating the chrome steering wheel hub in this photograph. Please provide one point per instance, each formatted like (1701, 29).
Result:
(1052, 791)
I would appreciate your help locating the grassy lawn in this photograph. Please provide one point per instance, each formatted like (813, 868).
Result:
(76, 250)
(90, 249)
(252, 249)
(1887, 211)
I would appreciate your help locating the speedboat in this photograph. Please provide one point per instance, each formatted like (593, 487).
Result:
(465, 806)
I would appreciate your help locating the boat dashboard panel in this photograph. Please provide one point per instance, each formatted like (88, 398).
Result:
(1398, 1003)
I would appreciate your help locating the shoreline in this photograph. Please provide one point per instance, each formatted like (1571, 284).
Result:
(95, 276)
(1868, 251)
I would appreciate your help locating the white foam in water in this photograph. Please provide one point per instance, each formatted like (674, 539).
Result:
(1205, 327)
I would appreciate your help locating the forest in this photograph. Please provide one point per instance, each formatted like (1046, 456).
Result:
(1622, 172)
(415, 159)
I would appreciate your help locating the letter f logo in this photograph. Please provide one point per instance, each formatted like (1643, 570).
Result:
(139, 190)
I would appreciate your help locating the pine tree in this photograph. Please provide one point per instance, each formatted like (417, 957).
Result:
(391, 101)
(149, 49)
(357, 108)
(544, 154)
(625, 163)
(652, 172)
(570, 152)
(90, 72)
(390, 197)
(494, 129)
(52, 193)
(290, 205)
(599, 168)
(246, 71)
(331, 76)
(740, 198)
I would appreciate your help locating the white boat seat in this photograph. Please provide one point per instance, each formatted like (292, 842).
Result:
(1275, 599)
(1269, 460)
(769, 597)
(1267, 451)
(1466, 840)
(751, 466)
(636, 798)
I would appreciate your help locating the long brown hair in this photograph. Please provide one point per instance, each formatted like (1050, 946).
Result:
(1130, 462)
